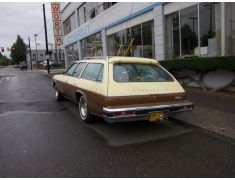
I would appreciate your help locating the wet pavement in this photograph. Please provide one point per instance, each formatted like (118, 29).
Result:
(42, 138)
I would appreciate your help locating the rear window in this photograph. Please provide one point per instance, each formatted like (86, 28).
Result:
(137, 72)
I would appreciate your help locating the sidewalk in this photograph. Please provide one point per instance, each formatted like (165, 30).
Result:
(52, 72)
(214, 111)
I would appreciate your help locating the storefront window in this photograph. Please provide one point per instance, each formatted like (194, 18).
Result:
(137, 47)
(126, 40)
(189, 30)
(137, 41)
(117, 43)
(172, 36)
(210, 29)
(185, 42)
(110, 47)
(148, 40)
(230, 34)
(92, 46)
(72, 54)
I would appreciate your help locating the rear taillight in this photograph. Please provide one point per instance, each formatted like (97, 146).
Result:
(123, 114)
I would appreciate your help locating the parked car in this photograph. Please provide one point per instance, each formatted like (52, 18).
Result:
(52, 64)
(55, 64)
(121, 89)
(16, 66)
(44, 63)
(23, 66)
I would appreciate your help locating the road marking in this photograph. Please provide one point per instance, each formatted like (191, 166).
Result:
(26, 101)
(5, 77)
(8, 113)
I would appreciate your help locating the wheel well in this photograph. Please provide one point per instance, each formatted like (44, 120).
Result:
(78, 95)
(53, 84)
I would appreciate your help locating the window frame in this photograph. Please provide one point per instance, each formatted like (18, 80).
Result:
(69, 69)
(86, 63)
(102, 67)
(97, 74)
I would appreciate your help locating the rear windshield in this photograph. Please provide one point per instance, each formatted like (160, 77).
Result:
(137, 72)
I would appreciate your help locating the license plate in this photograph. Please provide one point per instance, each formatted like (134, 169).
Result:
(155, 116)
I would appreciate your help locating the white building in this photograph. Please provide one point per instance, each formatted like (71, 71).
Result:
(38, 54)
(148, 29)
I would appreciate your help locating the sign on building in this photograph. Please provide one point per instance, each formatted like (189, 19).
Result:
(55, 9)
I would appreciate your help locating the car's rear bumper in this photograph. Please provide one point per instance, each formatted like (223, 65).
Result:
(144, 112)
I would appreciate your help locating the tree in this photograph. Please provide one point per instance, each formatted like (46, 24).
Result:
(4, 61)
(18, 50)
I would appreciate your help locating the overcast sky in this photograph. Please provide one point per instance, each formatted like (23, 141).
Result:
(25, 19)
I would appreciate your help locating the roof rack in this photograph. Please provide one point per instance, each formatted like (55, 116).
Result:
(96, 57)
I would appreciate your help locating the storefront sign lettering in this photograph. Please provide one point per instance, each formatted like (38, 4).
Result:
(55, 8)
(76, 35)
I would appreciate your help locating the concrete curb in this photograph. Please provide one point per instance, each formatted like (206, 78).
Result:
(201, 129)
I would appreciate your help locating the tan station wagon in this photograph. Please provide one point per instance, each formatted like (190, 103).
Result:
(121, 89)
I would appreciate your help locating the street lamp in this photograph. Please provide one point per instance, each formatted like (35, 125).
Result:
(35, 38)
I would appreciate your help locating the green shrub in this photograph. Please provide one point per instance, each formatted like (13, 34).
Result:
(201, 64)
(4, 61)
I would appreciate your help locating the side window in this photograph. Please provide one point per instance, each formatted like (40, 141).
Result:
(100, 76)
(91, 71)
(69, 72)
(77, 71)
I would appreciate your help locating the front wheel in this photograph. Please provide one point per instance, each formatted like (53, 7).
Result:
(83, 110)
(58, 96)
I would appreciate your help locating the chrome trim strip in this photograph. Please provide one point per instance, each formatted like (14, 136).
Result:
(111, 110)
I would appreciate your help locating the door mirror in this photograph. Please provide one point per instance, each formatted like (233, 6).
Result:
(63, 72)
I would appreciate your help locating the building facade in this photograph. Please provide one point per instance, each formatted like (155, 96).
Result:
(161, 31)
(38, 55)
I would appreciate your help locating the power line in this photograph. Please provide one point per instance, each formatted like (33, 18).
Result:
(25, 10)
(48, 21)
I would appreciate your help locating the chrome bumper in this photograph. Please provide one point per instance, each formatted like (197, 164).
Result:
(143, 113)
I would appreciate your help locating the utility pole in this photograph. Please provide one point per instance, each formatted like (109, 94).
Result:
(45, 27)
(56, 58)
(30, 59)
(59, 56)
(35, 36)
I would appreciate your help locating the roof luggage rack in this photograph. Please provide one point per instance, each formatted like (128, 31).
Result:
(95, 57)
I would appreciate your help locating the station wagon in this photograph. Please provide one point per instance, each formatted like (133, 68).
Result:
(121, 89)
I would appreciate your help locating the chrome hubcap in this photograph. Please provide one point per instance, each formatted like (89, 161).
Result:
(83, 108)
(56, 94)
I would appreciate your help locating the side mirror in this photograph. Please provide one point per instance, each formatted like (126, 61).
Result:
(63, 72)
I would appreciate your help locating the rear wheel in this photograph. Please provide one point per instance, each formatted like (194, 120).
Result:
(83, 110)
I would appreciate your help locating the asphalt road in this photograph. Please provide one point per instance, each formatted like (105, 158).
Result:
(42, 138)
